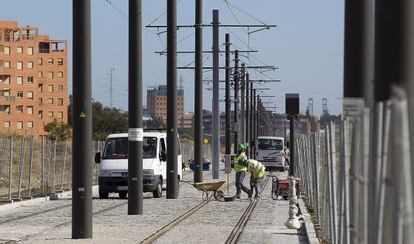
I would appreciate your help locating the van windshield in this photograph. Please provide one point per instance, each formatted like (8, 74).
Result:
(117, 148)
(270, 144)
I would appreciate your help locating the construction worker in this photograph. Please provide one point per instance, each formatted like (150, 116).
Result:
(240, 170)
(257, 173)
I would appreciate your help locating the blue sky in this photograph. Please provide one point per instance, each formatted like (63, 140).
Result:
(307, 45)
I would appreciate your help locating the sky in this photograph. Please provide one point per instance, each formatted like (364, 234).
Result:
(307, 45)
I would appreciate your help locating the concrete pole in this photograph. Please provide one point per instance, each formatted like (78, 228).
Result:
(198, 94)
(172, 174)
(82, 122)
(216, 107)
(236, 100)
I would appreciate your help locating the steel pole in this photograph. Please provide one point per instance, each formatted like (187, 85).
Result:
(228, 101)
(216, 108)
(172, 174)
(236, 101)
(82, 122)
(247, 113)
(292, 145)
(254, 124)
(242, 104)
(135, 132)
(198, 94)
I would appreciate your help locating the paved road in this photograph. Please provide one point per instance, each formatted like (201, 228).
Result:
(211, 224)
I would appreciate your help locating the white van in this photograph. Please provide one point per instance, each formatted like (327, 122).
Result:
(113, 164)
(269, 151)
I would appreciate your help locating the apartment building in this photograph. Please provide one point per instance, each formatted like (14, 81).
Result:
(157, 104)
(33, 80)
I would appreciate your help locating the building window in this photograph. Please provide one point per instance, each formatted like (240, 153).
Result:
(60, 74)
(50, 114)
(60, 88)
(30, 51)
(40, 114)
(19, 65)
(29, 95)
(50, 61)
(60, 115)
(19, 94)
(19, 50)
(60, 61)
(5, 109)
(29, 124)
(50, 100)
(60, 101)
(29, 109)
(19, 109)
(7, 50)
(50, 75)
(19, 80)
(19, 125)
(40, 87)
(30, 79)
(40, 61)
(40, 100)
(6, 64)
(5, 79)
(6, 124)
(50, 88)
(30, 65)
(40, 74)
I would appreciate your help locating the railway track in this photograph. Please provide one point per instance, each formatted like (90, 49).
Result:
(27, 237)
(160, 232)
(34, 214)
(238, 229)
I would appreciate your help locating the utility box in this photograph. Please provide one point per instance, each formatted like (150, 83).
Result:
(292, 103)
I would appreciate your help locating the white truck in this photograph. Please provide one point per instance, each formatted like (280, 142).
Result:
(113, 164)
(270, 152)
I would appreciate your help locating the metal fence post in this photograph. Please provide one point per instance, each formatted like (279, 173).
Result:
(53, 190)
(3, 157)
(11, 169)
(400, 148)
(21, 165)
(62, 178)
(42, 159)
(383, 153)
(30, 166)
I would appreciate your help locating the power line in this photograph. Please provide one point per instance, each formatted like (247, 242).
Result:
(116, 8)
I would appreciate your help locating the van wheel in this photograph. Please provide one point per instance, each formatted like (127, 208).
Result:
(157, 193)
(103, 195)
(122, 195)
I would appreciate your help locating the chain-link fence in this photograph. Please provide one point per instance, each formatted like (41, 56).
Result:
(36, 167)
(356, 177)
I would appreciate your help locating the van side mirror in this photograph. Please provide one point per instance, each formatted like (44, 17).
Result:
(163, 156)
(98, 157)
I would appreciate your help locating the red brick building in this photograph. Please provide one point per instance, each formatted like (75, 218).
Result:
(33, 80)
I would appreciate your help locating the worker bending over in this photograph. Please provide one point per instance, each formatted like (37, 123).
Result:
(257, 173)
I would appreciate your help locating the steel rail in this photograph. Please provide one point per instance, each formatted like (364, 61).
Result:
(238, 229)
(160, 232)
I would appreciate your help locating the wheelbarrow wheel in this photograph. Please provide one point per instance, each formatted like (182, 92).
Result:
(219, 195)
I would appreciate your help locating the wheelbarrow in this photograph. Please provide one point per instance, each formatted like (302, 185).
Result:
(212, 189)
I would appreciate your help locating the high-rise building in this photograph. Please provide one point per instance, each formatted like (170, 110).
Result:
(157, 103)
(33, 80)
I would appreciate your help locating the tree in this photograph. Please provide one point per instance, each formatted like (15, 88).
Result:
(58, 130)
(105, 120)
